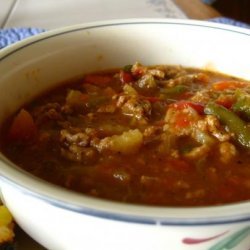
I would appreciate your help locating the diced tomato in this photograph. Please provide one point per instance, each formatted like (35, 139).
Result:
(139, 71)
(98, 79)
(227, 103)
(126, 77)
(23, 128)
(223, 85)
(185, 104)
(197, 106)
(182, 120)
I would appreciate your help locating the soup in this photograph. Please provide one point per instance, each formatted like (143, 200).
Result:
(156, 135)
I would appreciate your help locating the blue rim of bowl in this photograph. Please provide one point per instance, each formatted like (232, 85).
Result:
(97, 212)
(59, 32)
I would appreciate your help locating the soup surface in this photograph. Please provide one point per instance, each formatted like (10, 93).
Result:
(158, 135)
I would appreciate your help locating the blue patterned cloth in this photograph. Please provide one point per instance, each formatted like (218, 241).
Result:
(12, 35)
(230, 21)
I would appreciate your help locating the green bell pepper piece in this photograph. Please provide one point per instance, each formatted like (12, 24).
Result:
(234, 124)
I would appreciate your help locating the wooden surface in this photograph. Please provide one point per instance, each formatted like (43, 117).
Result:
(195, 9)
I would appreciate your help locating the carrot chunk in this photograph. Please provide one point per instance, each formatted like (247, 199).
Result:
(223, 85)
(23, 128)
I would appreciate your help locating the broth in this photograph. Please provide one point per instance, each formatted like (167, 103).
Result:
(157, 135)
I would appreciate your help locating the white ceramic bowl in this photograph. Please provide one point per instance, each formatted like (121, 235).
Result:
(60, 219)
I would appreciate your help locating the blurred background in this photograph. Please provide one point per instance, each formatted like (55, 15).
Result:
(50, 14)
(237, 9)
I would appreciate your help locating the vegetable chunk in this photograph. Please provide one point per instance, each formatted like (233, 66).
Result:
(23, 128)
(232, 121)
(128, 142)
(6, 225)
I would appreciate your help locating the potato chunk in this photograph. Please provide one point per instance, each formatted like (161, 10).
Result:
(127, 143)
(6, 225)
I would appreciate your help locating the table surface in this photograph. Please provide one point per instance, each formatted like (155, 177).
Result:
(196, 9)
